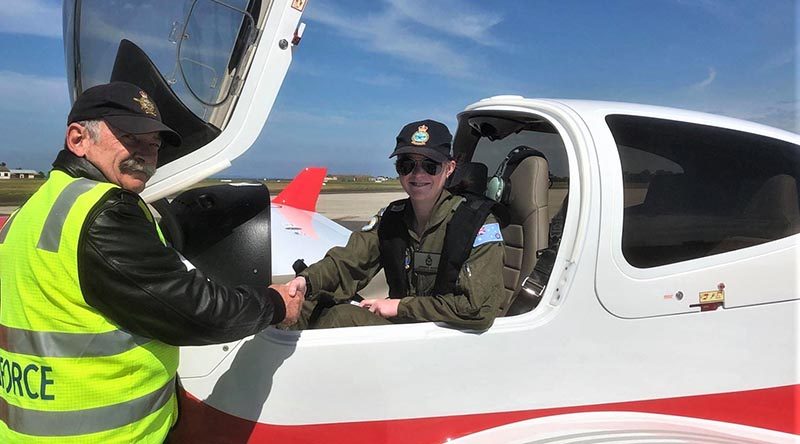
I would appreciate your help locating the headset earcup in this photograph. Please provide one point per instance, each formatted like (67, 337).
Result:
(494, 189)
(506, 191)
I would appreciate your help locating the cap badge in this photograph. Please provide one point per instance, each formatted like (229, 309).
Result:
(147, 105)
(421, 136)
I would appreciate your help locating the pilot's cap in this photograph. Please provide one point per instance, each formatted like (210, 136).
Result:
(429, 138)
(124, 106)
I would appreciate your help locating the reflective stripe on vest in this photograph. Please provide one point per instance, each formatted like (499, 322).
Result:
(54, 224)
(68, 345)
(83, 422)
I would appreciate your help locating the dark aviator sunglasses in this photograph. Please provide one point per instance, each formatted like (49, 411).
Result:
(405, 165)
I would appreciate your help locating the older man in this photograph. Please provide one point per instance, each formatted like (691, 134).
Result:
(93, 301)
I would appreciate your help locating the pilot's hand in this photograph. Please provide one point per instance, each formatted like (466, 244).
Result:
(293, 304)
(385, 308)
(297, 284)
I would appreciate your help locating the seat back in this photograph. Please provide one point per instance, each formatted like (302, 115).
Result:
(776, 199)
(527, 231)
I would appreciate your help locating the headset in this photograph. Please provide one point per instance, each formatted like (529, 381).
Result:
(499, 186)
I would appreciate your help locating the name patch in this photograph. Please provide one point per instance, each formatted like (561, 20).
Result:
(488, 233)
(426, 262)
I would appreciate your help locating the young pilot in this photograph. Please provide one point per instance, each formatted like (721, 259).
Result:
(436, 270)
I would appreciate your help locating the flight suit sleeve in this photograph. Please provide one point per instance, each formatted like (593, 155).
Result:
(479, 296)
(346, 270)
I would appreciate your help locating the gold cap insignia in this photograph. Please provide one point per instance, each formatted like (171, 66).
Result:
(421, 136)
(147, 105)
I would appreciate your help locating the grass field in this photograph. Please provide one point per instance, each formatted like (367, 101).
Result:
(15, 192)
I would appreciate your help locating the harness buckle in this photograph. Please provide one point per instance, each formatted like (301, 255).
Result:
(533, 287)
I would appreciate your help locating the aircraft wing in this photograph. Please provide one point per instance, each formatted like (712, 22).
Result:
(298, 231)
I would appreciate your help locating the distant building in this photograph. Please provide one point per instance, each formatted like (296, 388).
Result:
(329, 178)
(5, 173)
(24, 174)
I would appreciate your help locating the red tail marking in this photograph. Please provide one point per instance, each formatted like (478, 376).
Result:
(3, 220)
(303, 191)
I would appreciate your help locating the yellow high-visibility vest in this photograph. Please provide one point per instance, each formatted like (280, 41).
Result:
(68, 374)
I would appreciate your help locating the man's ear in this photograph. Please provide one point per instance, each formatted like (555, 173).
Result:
(76, 139)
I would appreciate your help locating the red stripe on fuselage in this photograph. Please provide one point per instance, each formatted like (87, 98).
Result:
(773, 408)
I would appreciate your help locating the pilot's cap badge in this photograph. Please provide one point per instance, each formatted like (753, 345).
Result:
(147, 105)
(421, 136)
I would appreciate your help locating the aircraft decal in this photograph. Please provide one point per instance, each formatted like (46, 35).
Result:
(299, 4)
(711, 300)
(764, 408)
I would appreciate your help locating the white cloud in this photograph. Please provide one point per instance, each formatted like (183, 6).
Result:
(712, 74)
(780, 115)
(396, 31)
(32, 17)
(781, 59)
(722, 10)
(452, 17)
(32, 93)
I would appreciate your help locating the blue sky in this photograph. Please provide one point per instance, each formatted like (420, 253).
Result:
(365, 68)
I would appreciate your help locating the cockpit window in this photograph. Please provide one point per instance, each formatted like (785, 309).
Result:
(190, 42)
(188, 55)
(533, 196)
(692, 190)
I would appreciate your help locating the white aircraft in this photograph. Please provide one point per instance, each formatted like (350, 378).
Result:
(661, 304)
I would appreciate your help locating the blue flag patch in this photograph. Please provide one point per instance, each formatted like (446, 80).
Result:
(488, 233)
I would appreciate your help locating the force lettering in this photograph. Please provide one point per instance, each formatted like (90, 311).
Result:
(30, 381)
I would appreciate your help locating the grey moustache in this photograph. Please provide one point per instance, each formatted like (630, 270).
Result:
(134, 165)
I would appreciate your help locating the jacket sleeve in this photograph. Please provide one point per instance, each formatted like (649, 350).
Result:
(346, 270)
(479, 298)
(130, 276)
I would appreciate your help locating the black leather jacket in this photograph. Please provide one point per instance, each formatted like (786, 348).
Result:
(129, 276)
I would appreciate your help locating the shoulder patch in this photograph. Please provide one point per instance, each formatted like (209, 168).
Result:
(397, 207)
(488, 233)
(371, 224)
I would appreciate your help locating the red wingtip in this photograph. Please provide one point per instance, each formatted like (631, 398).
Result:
(303, 191)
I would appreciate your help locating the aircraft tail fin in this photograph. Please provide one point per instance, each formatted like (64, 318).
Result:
(303, 191)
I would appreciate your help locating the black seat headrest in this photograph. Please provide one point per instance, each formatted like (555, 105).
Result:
(469, 177)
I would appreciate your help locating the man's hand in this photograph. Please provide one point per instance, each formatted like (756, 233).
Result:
(385, 308)
(297, 284)
(293, 303)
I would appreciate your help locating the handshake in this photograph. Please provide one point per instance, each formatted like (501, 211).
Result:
(293, 295)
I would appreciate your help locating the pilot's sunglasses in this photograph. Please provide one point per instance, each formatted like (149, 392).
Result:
(405, 166)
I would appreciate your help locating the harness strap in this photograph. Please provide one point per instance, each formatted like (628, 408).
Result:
(394, 241)
(461, 231)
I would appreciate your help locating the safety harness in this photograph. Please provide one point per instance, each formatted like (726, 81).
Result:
(395, 245)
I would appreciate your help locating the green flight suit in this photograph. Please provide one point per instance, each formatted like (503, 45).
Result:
(479, 294)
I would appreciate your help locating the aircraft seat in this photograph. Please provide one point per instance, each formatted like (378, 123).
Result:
(527, 230)
(776, 199)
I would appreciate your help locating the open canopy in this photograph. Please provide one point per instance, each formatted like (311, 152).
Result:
(214, 67)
